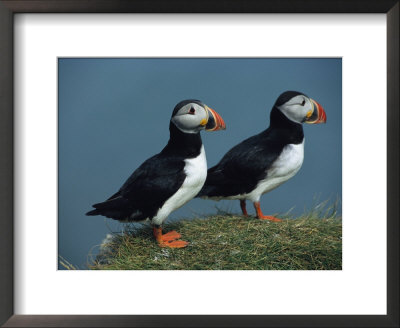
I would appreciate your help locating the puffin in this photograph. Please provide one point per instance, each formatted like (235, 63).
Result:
(263, 162)
(169, 179)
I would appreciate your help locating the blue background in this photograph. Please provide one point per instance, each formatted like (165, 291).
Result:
(114, 114)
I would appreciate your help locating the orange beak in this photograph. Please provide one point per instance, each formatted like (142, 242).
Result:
(215, 121)
(318, 115)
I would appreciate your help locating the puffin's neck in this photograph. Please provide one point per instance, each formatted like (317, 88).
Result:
(183, 144)
(291, 131)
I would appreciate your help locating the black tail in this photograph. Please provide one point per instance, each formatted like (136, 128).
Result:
(118, 209)
(93, 212)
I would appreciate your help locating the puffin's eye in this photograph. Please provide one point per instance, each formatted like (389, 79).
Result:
(191, 111)
(303, 102)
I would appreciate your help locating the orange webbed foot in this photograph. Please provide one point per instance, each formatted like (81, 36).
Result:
(261, 216)
(174, 244)
(270, 218)
(170, 236)
(169, 239)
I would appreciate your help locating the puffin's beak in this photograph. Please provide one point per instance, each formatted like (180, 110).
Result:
(215, 121)
(318, 114)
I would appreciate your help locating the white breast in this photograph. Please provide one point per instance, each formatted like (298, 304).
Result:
(196, 174)
(286, 166)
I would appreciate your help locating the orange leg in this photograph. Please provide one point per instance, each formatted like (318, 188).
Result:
(169, 239)
(261, 216)
(243, 207)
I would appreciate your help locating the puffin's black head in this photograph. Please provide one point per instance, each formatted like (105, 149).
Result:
(192, 116)
(299, 108)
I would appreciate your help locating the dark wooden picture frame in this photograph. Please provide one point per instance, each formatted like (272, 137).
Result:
(10, 7)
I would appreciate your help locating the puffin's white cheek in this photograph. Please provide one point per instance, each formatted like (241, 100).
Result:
(295, 113)
(291, 114)
(186, 123)
(298, 116)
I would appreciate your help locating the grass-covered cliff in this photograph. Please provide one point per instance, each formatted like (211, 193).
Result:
(231, 242)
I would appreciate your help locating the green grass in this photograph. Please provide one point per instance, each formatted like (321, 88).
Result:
(231, 242)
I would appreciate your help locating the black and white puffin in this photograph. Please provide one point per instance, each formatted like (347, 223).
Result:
(263, 162)
(168, 180)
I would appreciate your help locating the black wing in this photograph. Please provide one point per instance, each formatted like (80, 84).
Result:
(242, 167)
(146, 190)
